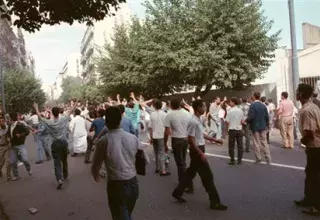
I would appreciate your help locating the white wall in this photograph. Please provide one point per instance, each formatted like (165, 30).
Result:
(309, 62)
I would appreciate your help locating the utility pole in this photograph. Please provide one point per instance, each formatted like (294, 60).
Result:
(294, 56)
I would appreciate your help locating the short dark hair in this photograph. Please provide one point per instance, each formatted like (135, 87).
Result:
(61, 110)
(122, 109)
(305, 91)
(175, 103)
(77, 111)
(157, 104)
(113, 117)
(56, 111)
(269, 100)
(285, 95)
(197, 104)
(92, 113)
(101, 112)
(14, 116)
(235, 100)
(215, 98)
(244, 100)
(257, 95)
(315, 95)
(263, 99)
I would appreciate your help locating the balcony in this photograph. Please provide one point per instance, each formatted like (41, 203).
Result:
(87, 41)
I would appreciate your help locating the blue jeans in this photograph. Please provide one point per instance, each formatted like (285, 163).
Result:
(19, 152)
(43, 147)
(122, 196)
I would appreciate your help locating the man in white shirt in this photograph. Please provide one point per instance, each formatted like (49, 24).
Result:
(234, 119)
(215, 121)
(199, 163)
(156, 128)
(176, 123)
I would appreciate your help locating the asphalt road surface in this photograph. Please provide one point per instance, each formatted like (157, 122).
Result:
(252, 192)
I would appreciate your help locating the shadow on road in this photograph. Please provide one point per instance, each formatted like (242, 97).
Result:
(3, 215)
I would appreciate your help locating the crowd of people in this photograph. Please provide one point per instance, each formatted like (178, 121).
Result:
(112, 130)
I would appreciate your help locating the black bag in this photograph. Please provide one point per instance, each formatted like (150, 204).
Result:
(140, 163)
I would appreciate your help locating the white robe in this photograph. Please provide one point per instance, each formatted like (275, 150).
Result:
(78, 133)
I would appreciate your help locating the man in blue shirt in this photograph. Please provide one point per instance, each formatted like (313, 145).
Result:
(126, 123)
(96, 126)
(258, 120)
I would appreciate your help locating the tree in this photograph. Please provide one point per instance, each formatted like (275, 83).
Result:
(189, 43)
(130, 63)
(31, 15)
(211, 42)
(72, 88)
(93, 92)
(22, 89)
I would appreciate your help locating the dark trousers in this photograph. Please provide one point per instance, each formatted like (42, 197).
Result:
(247, 134)
(312, 181)
(60, 158)
(122, 196)
(89, 148)
(235, 136)
(179, 149)
(205, 173)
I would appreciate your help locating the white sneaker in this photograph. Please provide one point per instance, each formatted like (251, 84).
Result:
(14, 178)
(20, 164)
(60, 182)
(30, 173)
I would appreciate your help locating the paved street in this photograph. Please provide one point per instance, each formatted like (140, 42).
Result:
(251, 191)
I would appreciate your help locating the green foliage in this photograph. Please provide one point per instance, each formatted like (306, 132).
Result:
(75, 88)
(72, 88)
(22, 89)
(31, 15)
(92, 92)
(198, 43)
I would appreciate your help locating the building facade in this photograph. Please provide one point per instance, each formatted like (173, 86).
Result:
(311, 35)
(72, 67)
(95, 38)
(13, 53)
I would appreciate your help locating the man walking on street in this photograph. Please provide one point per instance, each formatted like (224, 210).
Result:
(156, 127)
(258, 120)
(96, 127)
(118, 151)
(309, 120)
(285, 112)
(234, 120)
(43, 139)
(57, 128)
(246, 130)
(199, 163)
(18, 132)
(176, 123)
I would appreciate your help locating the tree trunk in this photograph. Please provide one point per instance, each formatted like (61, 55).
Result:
(199, 93)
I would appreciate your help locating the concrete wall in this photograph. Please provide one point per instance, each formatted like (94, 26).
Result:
(309, 62)
(311, 35)
(268, 90)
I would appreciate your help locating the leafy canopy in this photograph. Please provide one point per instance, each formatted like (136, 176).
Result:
(22, 89)
(75, 88)
(31, 15)
(190, 43)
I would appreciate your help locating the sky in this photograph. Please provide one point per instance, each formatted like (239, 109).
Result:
(51, 45)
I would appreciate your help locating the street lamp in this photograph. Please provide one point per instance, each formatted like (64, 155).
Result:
(294, 56)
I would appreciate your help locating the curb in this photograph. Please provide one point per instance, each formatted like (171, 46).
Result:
(3, 215)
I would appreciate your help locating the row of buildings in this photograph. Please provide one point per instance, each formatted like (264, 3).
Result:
(84, 63)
